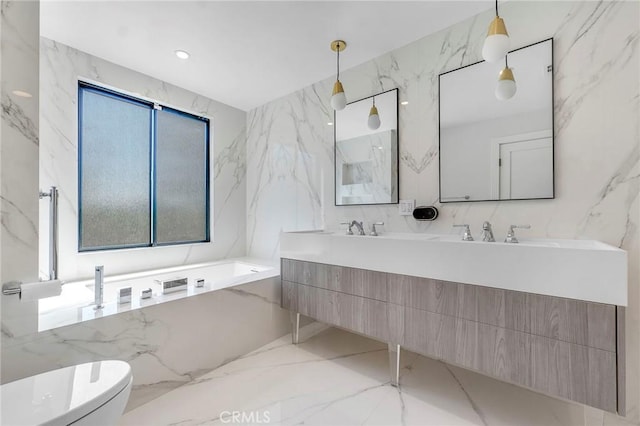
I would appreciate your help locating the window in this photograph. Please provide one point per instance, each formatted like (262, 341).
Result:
(143, 173)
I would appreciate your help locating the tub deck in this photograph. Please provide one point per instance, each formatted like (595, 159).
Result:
(76, 303)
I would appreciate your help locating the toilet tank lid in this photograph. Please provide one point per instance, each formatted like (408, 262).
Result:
(64, 395)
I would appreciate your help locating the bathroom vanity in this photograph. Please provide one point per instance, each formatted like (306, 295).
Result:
(546, 314)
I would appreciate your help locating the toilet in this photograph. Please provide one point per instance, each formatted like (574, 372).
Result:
(92, 394)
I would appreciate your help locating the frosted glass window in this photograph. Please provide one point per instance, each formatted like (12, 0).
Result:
(115, 159)
(181, 178)
(143, 173)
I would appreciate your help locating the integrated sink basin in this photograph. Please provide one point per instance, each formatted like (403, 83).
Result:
(576, 269)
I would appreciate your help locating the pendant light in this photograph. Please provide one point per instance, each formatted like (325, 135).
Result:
(506, 87)
(338, 98)
(496, 45)
(374, 119)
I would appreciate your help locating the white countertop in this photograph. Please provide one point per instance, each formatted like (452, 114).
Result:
(576, 269)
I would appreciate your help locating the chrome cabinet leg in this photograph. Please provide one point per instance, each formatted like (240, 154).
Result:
(394, 363)
(295, 327)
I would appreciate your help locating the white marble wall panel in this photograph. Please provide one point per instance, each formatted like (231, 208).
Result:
(19, 39)
(597, 140)
(19, 62)
(167, 345)
(62, 66)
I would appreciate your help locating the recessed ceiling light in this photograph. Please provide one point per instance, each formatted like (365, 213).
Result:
(182, 54)
(404, 103)
(330, 123)
(22, 94)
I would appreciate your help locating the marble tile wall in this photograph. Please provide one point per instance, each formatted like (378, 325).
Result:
(19, 149)
(167, 345)
(597, 140)
(61, 67)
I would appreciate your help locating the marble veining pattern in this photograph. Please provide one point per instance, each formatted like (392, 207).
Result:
(597, 141)
(18, 119)
(19, 32)
(337, 378)
(167, 345)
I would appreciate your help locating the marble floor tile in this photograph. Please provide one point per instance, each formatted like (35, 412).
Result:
(339, 378)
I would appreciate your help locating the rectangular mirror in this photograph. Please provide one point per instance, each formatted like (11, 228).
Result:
(494, 149)
(366, 159)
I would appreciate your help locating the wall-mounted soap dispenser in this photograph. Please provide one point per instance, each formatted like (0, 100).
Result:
(425, 213)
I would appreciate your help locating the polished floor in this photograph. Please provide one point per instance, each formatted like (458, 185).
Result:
(338, 378)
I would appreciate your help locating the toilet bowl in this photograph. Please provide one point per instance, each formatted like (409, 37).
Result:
(92, 394)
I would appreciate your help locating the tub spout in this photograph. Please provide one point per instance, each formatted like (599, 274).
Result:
(99, 287)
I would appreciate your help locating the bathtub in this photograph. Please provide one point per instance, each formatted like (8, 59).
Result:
(76, 302)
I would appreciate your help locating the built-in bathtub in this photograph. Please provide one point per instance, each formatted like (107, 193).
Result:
(76, 302)
(168, 340)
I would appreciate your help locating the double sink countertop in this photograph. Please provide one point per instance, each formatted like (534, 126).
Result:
(576, 269)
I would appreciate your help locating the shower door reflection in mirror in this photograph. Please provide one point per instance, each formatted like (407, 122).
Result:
(366, 160)
(494, 149)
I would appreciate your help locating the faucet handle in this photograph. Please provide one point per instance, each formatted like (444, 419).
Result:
(374, 233)
(511, 236)
(467, 232)
(349, 231)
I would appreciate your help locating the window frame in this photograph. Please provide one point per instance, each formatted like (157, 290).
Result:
(153, 107)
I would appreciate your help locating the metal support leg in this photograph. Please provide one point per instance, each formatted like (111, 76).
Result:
(295, 327)
(394, 363)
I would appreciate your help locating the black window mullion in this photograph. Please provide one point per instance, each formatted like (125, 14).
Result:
(152, 176)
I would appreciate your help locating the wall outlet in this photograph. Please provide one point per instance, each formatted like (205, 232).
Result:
(405, 207)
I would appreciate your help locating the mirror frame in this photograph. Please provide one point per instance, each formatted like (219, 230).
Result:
(553, 132)
(335, 144)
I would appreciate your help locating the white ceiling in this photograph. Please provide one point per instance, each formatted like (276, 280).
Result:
(245, 53)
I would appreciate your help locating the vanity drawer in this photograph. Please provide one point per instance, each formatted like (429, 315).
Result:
(573, 321)
(360, 314)
(567, 370)
(575, 372)
(357, 282)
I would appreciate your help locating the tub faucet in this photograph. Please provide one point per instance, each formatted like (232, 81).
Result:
(357, 225)
(487, 233)
(99, 287)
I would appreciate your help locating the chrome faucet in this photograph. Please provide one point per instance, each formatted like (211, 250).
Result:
(99, 287)
(511, 236)
(487, 233)
(467, 232)
(357, 225)
(374, 231)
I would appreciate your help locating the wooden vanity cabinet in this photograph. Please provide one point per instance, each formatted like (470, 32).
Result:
(566, 348)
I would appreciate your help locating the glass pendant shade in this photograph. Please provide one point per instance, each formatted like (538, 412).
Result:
(374, 119)
(338, 99)
(496, 45)
(506, 87)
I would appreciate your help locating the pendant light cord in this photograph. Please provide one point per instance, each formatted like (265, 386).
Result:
(338, 63)
(497, 8)
(506, 61)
